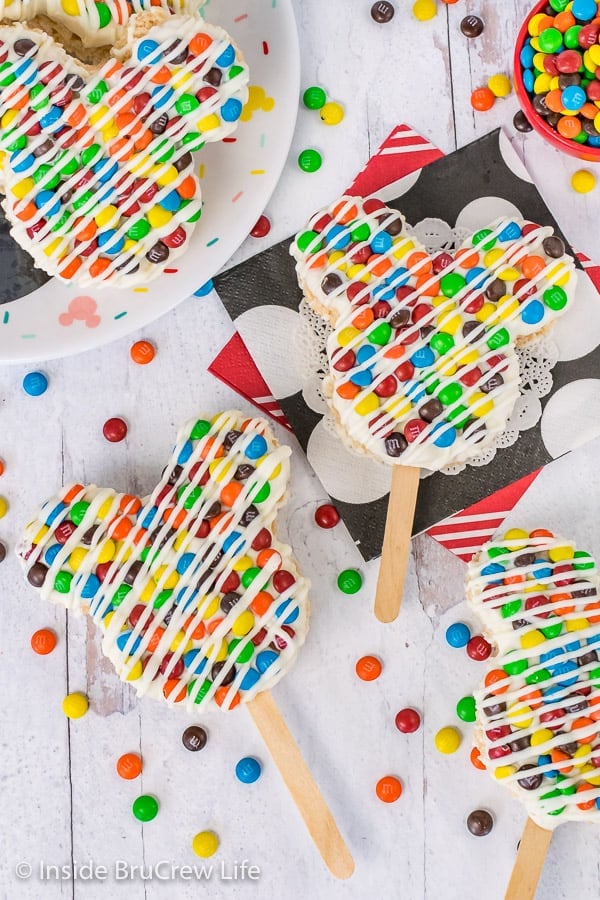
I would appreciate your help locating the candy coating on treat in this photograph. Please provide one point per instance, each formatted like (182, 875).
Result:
(98, 169)
(422, 364)
(538, 712)
(96, 23)
(198, 602)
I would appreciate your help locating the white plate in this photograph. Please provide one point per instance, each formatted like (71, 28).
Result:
(237, 181)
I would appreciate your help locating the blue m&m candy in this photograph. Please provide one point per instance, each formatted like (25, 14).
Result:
(458, 635)
(248, 770)
(35, 384)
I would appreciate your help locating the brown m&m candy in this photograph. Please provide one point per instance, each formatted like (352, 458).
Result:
(521, 122)
(471, 26)
(194, 738)
(382, 12)
(480, 822)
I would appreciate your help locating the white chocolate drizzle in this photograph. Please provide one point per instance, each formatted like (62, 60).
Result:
(558, 706)
(367, 430)
(194, 569)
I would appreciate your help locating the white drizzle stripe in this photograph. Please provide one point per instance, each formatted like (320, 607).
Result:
(509, 706)
(168, 545)
(368, 431)
(59, 241)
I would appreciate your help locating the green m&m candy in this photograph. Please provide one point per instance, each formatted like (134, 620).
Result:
(314, 97)
(310, 160)
(555, 297)
(349, 581)
(465, 709)
(145, 808)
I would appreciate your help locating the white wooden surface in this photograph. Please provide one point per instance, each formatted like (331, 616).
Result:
(61, 800)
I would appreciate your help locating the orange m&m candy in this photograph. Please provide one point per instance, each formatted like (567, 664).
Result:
(475, 758)
(482, 99)
(368, 668)
(142, 352)
(43, 641)
(388, 789)
(129, 766)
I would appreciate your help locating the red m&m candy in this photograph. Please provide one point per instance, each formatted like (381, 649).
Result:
(407, 720)
(327, 516)
(478, 648)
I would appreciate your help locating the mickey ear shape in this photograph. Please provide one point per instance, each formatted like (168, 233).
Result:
(99, 174)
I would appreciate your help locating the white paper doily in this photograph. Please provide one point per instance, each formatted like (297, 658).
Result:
(537, 358)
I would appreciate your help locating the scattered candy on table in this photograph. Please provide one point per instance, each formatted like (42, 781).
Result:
(142, 352)
(129, 766)
(145, 808)
(75, 705)
(389, 789)
(448, 740)
(2, 551)
(35, 384)
(2, 466)
(480, 822)
(521, 122)
(465, 709)
(482, 99)
(471, 26)
(368, 668)
(194, 738)
(499, 85)
(327, 516)
(382, 12)
(3, 507)
(43, 642)
(332, 113)
(408, 720)
(310, 160)
(262, 227)
(115, 430)
(205, 844)
(423, 10)
(560, 61)
(314, 97)
(248, 770)
(583, 181)
(458, 635)
(349, 581)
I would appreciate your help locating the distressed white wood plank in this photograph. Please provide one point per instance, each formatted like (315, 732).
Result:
(474, 60)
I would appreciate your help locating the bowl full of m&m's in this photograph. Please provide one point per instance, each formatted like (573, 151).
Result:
(557, 74)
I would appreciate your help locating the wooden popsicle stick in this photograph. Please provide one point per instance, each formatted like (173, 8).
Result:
(396, 542)
(301, 785)
(529, 862)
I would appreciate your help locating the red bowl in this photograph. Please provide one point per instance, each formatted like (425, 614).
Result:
(581, 151)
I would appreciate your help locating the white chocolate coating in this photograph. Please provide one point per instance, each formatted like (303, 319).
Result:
(356, 259)
(538, 715)
(183, 595)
